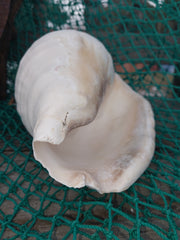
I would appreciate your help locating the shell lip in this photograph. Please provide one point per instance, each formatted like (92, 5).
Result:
(79, 179)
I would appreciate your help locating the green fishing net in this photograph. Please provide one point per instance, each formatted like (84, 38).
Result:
(144, 39)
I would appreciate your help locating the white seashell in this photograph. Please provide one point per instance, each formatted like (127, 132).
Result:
(88, 126)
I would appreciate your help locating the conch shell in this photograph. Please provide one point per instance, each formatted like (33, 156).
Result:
(88, 126)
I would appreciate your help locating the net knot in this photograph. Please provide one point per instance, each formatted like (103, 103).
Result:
(175, 185)
(58, 221)
(28, 177)
(109, 206)
(95, 236)
(133, 233)
(55, 218)
(23, 229)
(13, 189)
(135, 200)
(106, 222)
(38, 187)
(74, 224)
(109, 235)
(1, 174)
(171, 236)
(84, 191)
(2, 177)
(158, 191)
(147, 213)
(7, 219)
(16, 168)
(168, 212)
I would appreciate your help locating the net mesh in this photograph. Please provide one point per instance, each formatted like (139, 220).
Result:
(144, 40)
